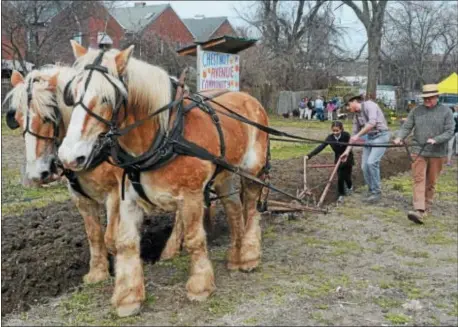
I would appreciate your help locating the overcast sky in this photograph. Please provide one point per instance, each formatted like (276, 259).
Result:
(356, 35)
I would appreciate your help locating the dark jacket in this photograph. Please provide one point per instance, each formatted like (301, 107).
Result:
(337, 148)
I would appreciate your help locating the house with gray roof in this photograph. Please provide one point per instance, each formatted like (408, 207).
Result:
(135, 19)
(206, 28)
(159, 19)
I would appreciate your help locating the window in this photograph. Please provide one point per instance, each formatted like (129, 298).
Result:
(78, 37)
(448, 99)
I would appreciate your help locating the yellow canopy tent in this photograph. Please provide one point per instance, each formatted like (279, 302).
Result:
(449, 85)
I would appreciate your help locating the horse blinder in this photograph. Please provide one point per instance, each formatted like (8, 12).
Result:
(11, 121)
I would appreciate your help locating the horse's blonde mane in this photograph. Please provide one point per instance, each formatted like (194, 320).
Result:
(148, 86)
(42, 98)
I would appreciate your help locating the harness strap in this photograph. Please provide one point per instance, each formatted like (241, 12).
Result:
(74, 183)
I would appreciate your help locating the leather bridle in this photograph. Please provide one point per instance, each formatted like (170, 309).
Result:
(55, 123)
(121, 99)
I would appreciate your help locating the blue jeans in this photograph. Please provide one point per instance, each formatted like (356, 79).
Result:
(320, 114)
(371, 161)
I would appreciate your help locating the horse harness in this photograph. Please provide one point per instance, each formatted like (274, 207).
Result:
(69, 174)
(168, 144)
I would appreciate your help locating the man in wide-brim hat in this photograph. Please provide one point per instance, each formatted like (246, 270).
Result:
(433, 125)
(369, 122)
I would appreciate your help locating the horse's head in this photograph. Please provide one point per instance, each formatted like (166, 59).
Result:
(98, 95)
(33, 107)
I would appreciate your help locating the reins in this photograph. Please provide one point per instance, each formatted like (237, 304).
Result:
(168, 146)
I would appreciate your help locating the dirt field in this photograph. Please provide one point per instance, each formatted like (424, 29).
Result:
(358, 265)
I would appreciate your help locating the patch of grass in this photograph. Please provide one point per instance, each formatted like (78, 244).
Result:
(454, 310)
(218, 253)
(318, 316)
(6, 131)
(401, 251)
(434, 321)
(390, 214)
(283, 150)
(312, 242)
(414, 264)
(398, 319)
(150, 300)
(250, 321)
(376, 268)
(319, 285)
(453, 260)
(401, 183)
(322, 306)
(16, 198)
(219, 306)
(353, 213)
(112, 319)
(387, 303)
(439, 239)
(345, 247)
(280, 121)
(387, 285)
(180, 265)
(269, 232)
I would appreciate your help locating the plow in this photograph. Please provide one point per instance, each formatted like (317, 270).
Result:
(306, 194)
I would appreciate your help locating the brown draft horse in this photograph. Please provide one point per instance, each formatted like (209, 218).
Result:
(38, 96)
(179, 185)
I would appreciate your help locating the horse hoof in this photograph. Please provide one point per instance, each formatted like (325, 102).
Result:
(200, 287)
(249, 266)
(94, 277)
(200, 297)
(167, 255)
(128, 310)
(233, 266)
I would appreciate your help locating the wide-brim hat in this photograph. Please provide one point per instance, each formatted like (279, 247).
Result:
(430, 90)
(350, 97)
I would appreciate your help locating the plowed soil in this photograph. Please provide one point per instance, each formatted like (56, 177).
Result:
(45, 252)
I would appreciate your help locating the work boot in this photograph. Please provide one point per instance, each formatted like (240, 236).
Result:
(340, 199)
(416, 216)
(349, 191)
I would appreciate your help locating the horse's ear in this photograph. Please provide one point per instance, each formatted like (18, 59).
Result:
(52, 82)
(78, 49)
(16, 78)
(122, 59)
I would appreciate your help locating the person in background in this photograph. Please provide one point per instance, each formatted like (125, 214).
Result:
(454, 138)
(432, 124)
(319, 108)
(345, 168)
(310, 106)
(302, 106)
(369, 122)
(330, 109)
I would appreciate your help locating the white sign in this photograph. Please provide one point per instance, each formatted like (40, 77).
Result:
(218, 71)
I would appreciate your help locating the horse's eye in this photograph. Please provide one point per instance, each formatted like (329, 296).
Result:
(35, 79)
(105, 100)
(46, 120)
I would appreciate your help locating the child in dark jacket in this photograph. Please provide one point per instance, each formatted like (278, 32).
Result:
(345, 169)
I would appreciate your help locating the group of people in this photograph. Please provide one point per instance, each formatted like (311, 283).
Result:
(317, 107)
(435, 130)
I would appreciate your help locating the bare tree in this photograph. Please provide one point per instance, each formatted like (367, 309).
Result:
(299, 42)
(420, 40)
(372, 16)
(36, 31)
